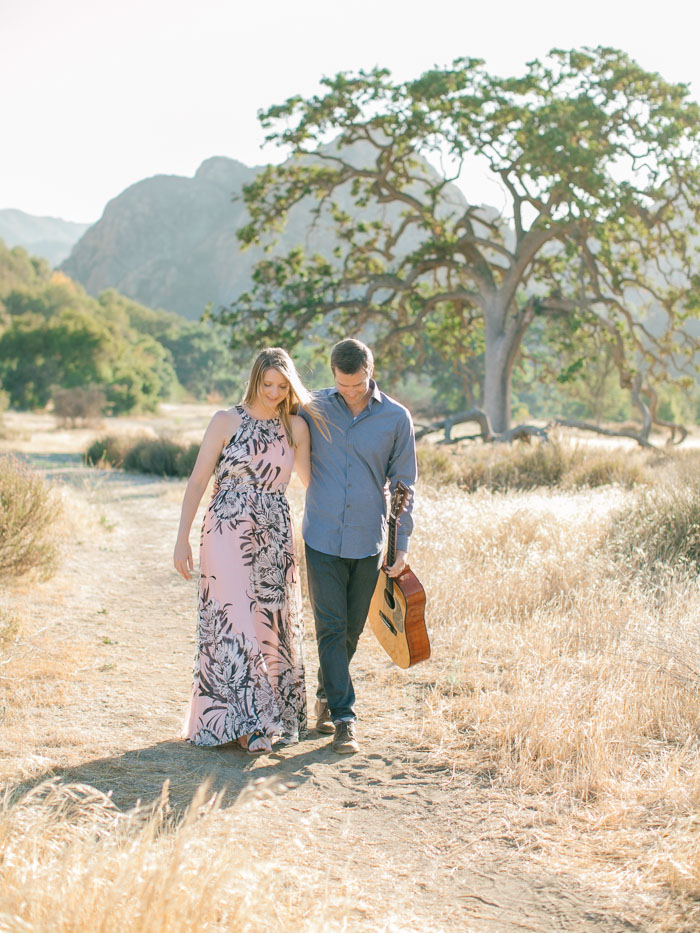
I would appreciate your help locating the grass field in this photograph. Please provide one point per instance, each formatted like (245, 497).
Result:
(559, 713)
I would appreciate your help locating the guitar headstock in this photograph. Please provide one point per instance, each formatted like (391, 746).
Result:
(398, 499)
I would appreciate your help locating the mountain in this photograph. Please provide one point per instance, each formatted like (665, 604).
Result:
(49, 237)
(170, 241)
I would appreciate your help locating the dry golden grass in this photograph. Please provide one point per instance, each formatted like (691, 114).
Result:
(564, 684)
(561, 462)
(73, 862)
(573, 689)
(29, 508)
(39, 669)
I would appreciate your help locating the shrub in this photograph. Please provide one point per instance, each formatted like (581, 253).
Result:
(436, 466)
(500, 467)
(525, 466)
(80, 405)
(661, 529)
(604, 467)
(107, 451)
(152, 456)
(160, 456)
(186, 459)
(28, 510)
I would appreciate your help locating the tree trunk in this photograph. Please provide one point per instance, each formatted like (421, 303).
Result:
(504, 328)
(497, 387)
(503, 334)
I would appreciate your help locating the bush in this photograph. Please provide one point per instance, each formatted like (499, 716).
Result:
(162, 457)
(28, 510)
(80, 405)
(107, 451)
(159, 456)
(498, 467)
(501, 467)
(604, 467)
(436, 466)
(662, 529)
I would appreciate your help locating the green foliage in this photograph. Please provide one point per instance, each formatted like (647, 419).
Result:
(200, 353)
(28, 513)
(20, 270)
(75, 348)
(204, 362)
(600, 168)
(54, 335)
(556, 463)
(160, 456)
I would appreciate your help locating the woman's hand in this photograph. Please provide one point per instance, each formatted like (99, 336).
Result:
(182, 559)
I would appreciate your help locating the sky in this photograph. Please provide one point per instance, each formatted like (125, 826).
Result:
(98, 95)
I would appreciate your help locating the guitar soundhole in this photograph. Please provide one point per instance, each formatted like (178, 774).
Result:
(389, 599)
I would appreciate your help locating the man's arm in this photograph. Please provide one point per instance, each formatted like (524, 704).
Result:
(403, 468)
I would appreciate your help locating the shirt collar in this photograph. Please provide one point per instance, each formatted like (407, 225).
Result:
(375, 394)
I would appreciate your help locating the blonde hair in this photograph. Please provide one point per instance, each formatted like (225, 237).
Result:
(298, 395)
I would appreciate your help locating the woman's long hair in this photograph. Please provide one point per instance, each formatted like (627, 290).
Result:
(298, 395)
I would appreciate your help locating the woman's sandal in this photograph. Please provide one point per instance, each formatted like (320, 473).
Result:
(262, 743)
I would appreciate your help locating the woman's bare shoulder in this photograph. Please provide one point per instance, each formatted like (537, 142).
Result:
(299, 426)
(225, 422)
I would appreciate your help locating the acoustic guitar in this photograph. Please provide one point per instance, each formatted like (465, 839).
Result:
(397, 610)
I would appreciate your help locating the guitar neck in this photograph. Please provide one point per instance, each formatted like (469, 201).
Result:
(391, 542)
(398, 501)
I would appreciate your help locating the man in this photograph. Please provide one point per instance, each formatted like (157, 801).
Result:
(372, 441)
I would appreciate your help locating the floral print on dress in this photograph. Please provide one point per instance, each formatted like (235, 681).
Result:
(249, 667)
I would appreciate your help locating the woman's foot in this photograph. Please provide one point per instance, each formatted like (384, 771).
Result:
(255, 743)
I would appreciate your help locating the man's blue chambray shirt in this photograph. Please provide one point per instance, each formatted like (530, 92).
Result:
(346, 503)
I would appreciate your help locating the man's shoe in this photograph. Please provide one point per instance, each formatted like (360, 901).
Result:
(324, 723)
(344, 741)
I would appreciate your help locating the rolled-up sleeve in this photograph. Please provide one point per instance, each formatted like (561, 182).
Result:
(403, 468)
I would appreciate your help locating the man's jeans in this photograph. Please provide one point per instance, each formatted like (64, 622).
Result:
(341, 590)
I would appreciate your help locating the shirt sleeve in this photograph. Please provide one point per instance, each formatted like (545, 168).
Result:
(403, 468)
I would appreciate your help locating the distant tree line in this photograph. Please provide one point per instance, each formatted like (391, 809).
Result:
(55, 337)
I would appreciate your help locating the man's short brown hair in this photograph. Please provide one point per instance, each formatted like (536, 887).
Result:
(350, 356)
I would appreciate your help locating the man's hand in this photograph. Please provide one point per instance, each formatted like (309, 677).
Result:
(399, 564)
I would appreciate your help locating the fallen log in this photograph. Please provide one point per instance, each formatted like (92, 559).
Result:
(525, 432)
(487, 435)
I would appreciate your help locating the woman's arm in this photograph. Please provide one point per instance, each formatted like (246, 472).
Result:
(302, 449)
(219, 430)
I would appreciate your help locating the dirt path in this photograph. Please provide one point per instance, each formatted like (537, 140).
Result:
(413, 843)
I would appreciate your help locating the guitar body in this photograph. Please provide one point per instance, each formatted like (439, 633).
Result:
(397, 617)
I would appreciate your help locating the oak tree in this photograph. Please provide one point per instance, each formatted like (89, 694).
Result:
(597, 162)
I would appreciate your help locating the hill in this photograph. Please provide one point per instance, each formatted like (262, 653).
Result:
(170, 241)
(48, 237)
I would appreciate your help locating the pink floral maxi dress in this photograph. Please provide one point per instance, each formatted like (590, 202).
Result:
(249, 666)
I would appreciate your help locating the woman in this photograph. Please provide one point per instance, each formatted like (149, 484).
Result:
(249, 673)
